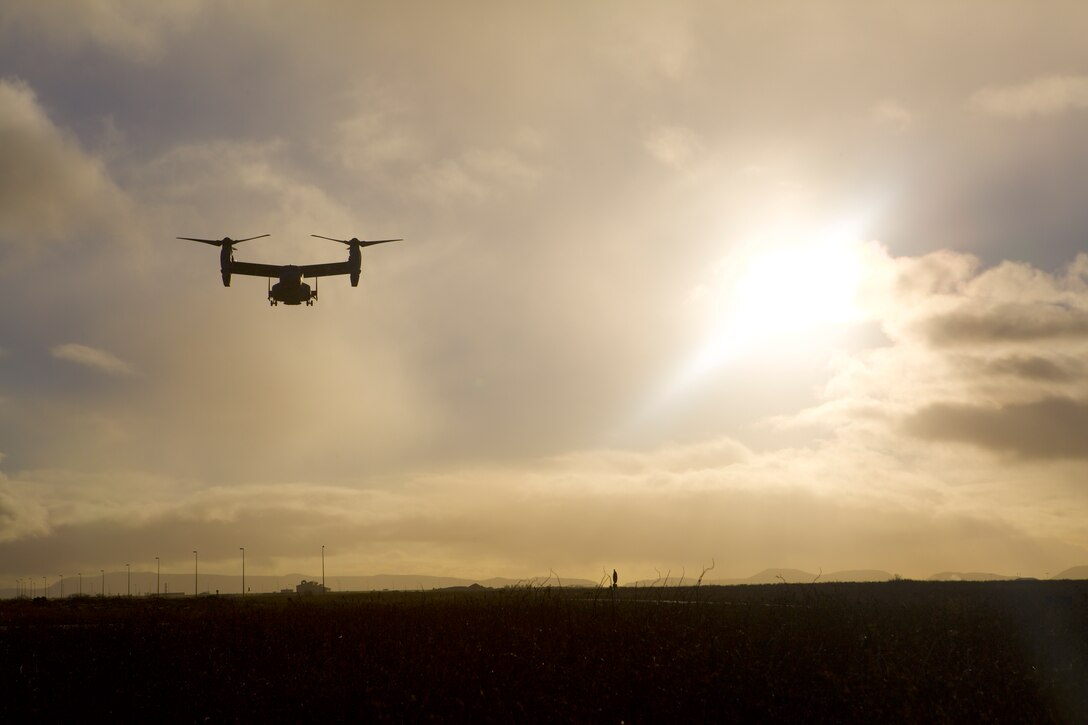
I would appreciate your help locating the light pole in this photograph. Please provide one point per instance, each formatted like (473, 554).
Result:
(45, 587)
(128, 580)
(81, 584)
(103, 581)
(323, 590)
(196, 569)
(243, 550)
(157, 576)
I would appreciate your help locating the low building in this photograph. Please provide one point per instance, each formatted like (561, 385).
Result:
(307, 587)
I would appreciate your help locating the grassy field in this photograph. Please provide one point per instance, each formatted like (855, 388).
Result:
(898, 651)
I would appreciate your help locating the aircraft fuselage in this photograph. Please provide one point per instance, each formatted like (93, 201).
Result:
(291, 290)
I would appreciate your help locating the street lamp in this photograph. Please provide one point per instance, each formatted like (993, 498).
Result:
(157, 576)
(196, 569)
(243, 550)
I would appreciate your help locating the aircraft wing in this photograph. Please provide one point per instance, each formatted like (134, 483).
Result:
(257, 270)
(327, 270)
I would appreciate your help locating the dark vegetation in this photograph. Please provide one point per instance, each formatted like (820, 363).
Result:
(898, 651)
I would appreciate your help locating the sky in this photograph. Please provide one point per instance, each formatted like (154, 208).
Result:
(754, 285)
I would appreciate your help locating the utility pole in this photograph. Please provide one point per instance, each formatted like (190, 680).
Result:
(243, 550)
(61, 576)
(196, 569)
(103, 581)
(323, 589)
(128, 580)
(157, 576)
(81, 584)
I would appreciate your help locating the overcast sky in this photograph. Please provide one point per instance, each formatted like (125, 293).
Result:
(769, 284)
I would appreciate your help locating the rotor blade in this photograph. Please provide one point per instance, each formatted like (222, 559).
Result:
(213, 242)
(360, 242)
(259, 236)
(378, 241)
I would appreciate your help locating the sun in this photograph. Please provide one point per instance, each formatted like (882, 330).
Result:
(781, 290)
(798, 287)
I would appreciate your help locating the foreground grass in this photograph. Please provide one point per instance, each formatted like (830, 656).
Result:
(898, 651)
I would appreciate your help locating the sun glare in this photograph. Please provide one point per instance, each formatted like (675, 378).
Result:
(780, 291)
(798, 287)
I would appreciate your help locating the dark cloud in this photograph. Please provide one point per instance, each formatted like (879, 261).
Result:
(1044, 429)
(1035, 368)
(50, 188)
(1012, 322)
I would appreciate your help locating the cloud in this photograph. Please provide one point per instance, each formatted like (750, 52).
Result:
(477, 174)
(211, 181)
(93, 358)
(369, 142)
(673, 145)
(1044, 429)
(680, 458)
(1043, 96)
(50, 189)
(21, 516)
(893, 114)
(832, 505)
(991, 358)
(135, 31)
(1033, 367)
(1014, 322)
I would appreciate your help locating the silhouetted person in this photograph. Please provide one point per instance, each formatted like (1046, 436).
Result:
(615, 578)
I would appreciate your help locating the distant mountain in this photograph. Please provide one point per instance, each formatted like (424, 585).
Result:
(411, 582)
(1077, 572)
(858, 575)
(969, 576)
(777, 576)
(797, 576)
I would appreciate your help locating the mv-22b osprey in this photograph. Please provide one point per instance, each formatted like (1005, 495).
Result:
(290, 290)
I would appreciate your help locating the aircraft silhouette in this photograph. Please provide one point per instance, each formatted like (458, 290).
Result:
(290, 290)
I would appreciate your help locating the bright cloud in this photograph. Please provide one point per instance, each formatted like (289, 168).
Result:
(476, 175)
(893, 114)
(93, 358)
(1044, 96)
(673, 145)
(990, 358)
